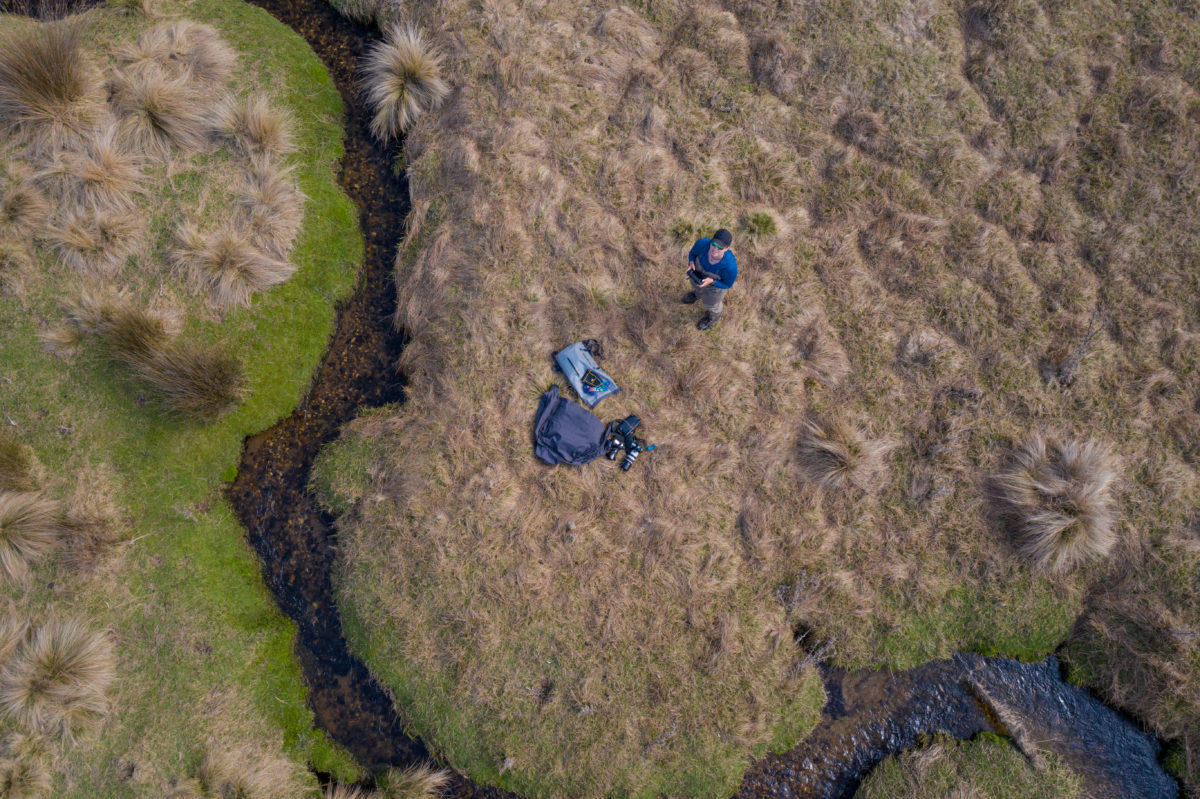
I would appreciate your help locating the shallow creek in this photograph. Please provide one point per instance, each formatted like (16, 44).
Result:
(869, 715)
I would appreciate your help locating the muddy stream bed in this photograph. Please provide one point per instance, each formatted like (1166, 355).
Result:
(868, 716)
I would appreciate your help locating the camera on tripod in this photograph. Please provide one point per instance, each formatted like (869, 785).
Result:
(621, 437)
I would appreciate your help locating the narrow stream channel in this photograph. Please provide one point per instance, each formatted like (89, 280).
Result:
(869, 715)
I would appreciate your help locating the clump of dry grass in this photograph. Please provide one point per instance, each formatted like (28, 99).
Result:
(48, 88)
(835, 455)
(198, 382)
(864, 130)
(272, 206)
(776, 62)
(100, 176)
(130, 334)
(158, 111)
(246, 772)
(415, 782)
(1058, 495)
(95, 242)
(227, 264)
(1009, 199)
(14, 631)
(364, 12)
(715, 33)
(339, 791)
(254, 125)
(185, 789)
(15, 261)
(30, 528)
(823, 358)
(23, 209)
(627, 30)
(923, 347)
(25, 767)
(183, 49)
(402, 81)
(57, 681)
(16, 465)
(88, 539)
(141, 8)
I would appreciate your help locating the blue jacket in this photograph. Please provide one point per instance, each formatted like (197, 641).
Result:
(725, 269)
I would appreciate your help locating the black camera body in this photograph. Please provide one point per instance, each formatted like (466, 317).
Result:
(621, 437)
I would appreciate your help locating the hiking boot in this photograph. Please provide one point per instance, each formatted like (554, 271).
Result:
(706, 323)
(689, 298)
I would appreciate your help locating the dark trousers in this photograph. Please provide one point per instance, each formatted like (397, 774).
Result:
(712, 296)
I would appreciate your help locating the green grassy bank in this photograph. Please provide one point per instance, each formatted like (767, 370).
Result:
(203, 659)
(985, 767)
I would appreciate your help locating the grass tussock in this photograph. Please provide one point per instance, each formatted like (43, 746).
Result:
(16, 465)
(776, 62)
(364, 12)
(158, 112)
(402, 79)
(339, 791)
(57, 681)
(95, 243)
(823, 358)
(15, 262)
(23, 209)
(49, 90)
(101, 176)
(185, 789)
(864, 130)
(25, 762)
(1059, 496)
(186, 50)
(135, 8)
(129, 334)
(198, 382)
(414, 782)
(246, 772)
(227, 264)
(30, 528)
(254, 125)
(14, 631)
(628, 31)
(836, 455)
(272, 208)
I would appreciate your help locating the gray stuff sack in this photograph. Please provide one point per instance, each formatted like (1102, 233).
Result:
(590, 382)
(565, 433)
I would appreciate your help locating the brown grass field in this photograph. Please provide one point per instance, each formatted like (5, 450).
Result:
(952, 404)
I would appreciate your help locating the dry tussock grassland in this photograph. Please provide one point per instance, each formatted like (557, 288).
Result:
(964, 230)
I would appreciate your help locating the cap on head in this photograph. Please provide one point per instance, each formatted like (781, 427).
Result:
(723, 237)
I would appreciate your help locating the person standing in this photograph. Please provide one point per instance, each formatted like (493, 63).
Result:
(712, 269)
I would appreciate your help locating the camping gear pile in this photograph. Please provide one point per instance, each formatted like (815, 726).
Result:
(563, 432)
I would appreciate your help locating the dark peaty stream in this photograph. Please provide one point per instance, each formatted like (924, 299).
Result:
(869, 715)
